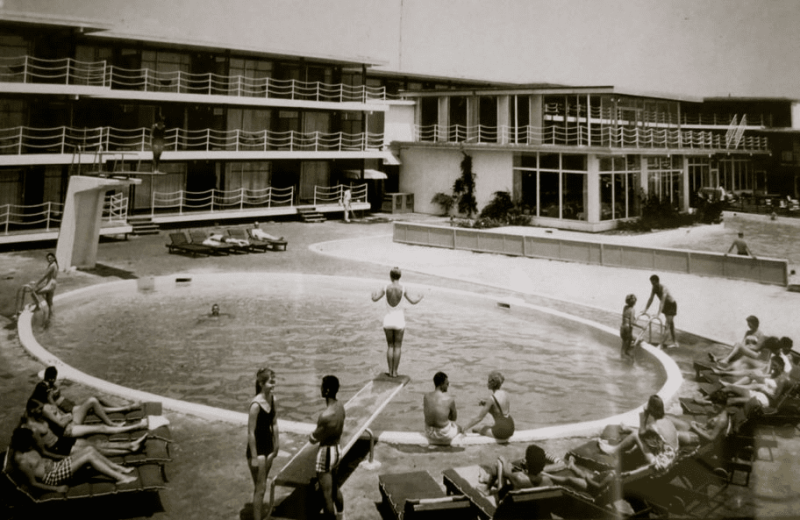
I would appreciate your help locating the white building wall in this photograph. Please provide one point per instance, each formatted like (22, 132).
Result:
(399, 123)
(427, 171)
(796, 115)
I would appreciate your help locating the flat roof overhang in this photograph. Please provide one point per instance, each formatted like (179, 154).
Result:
(34, 20)
(597, 150)
(551, 90)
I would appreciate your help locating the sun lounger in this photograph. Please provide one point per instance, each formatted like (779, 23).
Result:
(180, 244)
(149, 479)
(360, 411)
(275, 245)
(416, 495)
(219, 248)
(536, 502)
(252, 245)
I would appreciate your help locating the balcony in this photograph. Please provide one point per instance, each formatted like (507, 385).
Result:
(20, 141)
(33, 72)
(599, 136)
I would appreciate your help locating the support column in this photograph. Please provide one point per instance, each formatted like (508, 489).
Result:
(80, 225)
(685, 185)
(473, 118)
(443, 119)
(536, 119)
(503, 122)
(593, 189)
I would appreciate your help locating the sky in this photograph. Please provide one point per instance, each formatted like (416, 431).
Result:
(689, 47)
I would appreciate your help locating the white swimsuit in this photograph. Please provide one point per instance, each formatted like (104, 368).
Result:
(395, 318)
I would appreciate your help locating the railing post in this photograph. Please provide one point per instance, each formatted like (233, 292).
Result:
(213, 198)
(8, 216)
(316, 141)
(208, 139)
(179, 82)
(63, 137)
(315, 195)
(266, 87)
(241, 198)
(266, 138)
(66, 78)
(25, 70)
(237, 139)
(293, 81)
(145, 79)
(19, 146)
(49, 214)
(317, 90)
(291, 138)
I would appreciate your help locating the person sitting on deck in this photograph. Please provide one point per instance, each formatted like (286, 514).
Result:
(46, 474)
(499, 406)
(751, 346)
(657, 441)
(440, 412)
(65, 424)
(534, 471)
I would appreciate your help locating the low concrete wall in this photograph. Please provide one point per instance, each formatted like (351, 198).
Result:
(762, 270)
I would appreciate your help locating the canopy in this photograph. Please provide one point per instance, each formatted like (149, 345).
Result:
(368, 174)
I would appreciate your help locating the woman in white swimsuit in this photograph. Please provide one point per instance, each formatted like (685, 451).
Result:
(41, 291)
(394, 323)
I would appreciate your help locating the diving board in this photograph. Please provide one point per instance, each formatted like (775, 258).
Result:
(360, 411)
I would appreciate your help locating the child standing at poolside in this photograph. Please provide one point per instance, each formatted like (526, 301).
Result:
(626, 329)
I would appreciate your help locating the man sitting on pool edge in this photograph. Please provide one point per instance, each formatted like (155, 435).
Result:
(440, 413)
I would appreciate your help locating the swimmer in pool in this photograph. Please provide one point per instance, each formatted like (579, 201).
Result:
(214, 314)
(394, 323)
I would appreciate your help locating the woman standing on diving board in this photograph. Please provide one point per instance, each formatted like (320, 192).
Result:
(394, 323)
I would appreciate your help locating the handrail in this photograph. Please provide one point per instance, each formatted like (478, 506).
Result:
(25, 140)
(29, 69)
(333, 194)
(215, 200)
(636, 137)
(30, 216)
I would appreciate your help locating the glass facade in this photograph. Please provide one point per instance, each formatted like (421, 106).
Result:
(665, 179)
(553, 185)
(619, 187)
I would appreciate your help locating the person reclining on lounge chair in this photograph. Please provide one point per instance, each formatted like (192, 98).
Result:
(657, 440)
(44, 393)
(764, 388)
(63, 424)
(56, 446)
(46, 474)
(534, 472)
(781, 348)
(216, 240)
(47, 391)
(693, 433)
(257, 232)
(750, 348)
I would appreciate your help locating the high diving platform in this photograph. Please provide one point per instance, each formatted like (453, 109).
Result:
(360, 411)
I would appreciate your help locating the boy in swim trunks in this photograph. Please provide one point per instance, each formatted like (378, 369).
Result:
(328, 433)
(440, 412)
(667, 305)
(626, 329)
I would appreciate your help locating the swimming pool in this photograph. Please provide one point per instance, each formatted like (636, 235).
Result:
(160, 340)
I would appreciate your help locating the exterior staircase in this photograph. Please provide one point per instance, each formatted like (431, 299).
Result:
(143, 226)
(310, 215)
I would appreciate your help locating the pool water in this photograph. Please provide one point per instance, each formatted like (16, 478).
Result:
(305, 327)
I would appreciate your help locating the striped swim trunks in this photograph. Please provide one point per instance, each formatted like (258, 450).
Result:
(327, 458)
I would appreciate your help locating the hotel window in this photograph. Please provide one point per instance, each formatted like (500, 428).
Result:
(552, 185)
(665, 179)
(429, 118)
(457, 130)
(168, 72)
(619, 180)
(249, 77)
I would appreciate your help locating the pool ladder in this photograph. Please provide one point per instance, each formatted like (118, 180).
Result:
(648, 328)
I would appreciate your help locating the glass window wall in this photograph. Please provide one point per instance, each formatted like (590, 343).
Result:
(619, 179)
(665, 179)
(553, 185)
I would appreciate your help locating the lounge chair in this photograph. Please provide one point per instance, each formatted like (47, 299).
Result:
(180, 244)
(252, 245)
(198, 237)
(275, 245)
(15, 489)
(536, 502)
(416, 495)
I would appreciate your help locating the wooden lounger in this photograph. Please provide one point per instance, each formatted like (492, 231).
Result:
(198, 237)
(252, 245)
(180, 244)
(360, 411)
(275, 245)
(416, 495)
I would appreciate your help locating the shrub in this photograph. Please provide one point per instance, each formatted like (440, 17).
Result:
(444, 201)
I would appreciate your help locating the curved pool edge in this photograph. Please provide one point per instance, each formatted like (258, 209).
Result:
(674, 380)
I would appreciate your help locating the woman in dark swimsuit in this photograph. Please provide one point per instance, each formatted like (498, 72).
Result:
(262, 436)
(499, 406)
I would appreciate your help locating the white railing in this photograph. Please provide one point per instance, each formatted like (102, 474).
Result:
(221, 200)
(115, 208)
(27, 140)
(606, 115)
(333, 194)
(583, 135)
(15, 217)
(64, 71)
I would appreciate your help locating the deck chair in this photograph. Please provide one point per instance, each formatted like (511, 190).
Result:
(198, 237)
(253, 245)
(536, 502)
(416, 495)
(275, 245)
(180, 244)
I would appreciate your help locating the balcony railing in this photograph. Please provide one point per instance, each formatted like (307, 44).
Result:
(68, 71)
(606, 115)
(182, 201)
(333, 194)
(26, 140)
(619, 137)
(17, 218)
(65, 71)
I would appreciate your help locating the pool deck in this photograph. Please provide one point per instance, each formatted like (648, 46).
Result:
(208, 476)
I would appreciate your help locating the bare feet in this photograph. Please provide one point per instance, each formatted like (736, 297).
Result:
(138, 443)
(127, 480)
